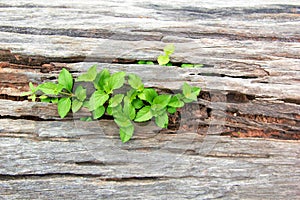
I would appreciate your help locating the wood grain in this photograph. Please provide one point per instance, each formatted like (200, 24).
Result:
(243, 136)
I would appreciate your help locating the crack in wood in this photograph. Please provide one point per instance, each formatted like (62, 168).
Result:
(7, 177)
(237, 155)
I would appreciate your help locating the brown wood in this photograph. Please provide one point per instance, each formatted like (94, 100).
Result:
(239, 141)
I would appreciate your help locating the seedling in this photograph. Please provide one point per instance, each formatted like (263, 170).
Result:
(138, 104)
(164, 59)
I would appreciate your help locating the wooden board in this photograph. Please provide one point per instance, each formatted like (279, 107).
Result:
(243, 138)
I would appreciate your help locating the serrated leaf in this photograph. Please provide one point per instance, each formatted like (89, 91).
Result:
(169, 49)
(162, 120)
(64, 106)
(115, 81)
(131, 94)
(98, 112)
(65, 79)
(135, 82)
(148, 95)
(97, 99)
(175, 102)
(122, 121)
(101, 79)
(126, 133)
(89, 76)
(116, 100)
(137, 103)
(157, 110)
(76, 105)
(50, 88)
(128, 109)
(162, 100)
(163, 59)
(80, 93)
(144, 114)
(190, 93)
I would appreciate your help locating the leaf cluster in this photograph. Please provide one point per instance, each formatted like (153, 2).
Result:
(136, 104)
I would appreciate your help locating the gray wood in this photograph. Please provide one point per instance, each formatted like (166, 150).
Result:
(251, 54)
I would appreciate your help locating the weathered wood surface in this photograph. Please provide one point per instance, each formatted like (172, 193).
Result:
(250, 85)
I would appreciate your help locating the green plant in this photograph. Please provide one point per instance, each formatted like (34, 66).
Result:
(137, 104)
(164, 59)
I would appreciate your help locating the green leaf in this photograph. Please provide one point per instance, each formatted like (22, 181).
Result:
(163, 59)
(176, 102)
(186, 65)
(172, 110)
(80, 93)
(162, 120)
(86, 119)
(126, 133)
(149, 63)
(162, 100)
(32, 97)
(169, 64)
(89, 76)
(97, 99)
(54, 100)
(64, 106)
(48, 100)
(50, 88)
(190, 93)
(131, 94)
(135, 82)
(137, 103)
(116, 81)
(169, 49)
(128, 109)
(142, 62)
(157, 110)
(109, 110)
(65, 79)
(122, 121)
(76, 105)
(31, 86)
(102, 79)
(86, 104)
(98, 112)
(144, 114)
(116, 100)
(196, 90)
(148, 95)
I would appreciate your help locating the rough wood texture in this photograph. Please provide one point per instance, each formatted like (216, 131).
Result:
(250, 88)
